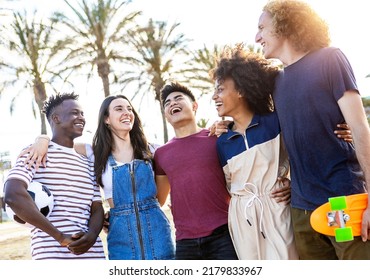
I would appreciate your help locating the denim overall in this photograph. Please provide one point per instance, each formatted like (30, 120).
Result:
(138, 228)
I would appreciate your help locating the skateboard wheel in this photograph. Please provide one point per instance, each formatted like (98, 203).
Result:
(346, 217)
(338, 203)
(343, 234)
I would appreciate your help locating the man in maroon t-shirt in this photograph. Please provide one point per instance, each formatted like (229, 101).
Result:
(199, 198)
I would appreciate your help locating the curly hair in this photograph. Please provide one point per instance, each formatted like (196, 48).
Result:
(103, 140)
(253, 76)
(54, 101)
(299, 23)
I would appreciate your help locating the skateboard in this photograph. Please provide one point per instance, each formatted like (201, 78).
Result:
(340, 217)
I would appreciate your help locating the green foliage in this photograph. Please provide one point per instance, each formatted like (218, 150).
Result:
(31, 49)
(157, 53)
(366, 102)
(5, 162)
(156, 56)
(95, 33)
(202, 123)
(203, 61)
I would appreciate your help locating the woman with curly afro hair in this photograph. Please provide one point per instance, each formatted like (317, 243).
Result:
(252, 156)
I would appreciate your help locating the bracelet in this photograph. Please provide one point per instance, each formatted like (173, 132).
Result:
(42, 137)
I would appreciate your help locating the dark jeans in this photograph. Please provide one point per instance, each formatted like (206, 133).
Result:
(217, 246)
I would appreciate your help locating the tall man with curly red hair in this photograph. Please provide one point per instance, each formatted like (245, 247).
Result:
(315, 91)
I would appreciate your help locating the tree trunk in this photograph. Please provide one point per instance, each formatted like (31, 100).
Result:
(158, 84)
(165, 129)
(103, 72)
(39, 92)
(105, 80)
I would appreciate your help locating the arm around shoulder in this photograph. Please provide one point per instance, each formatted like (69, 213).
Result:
(354, 114)
(80, 148)
(37, 152)
(353, 111)
(163, 188)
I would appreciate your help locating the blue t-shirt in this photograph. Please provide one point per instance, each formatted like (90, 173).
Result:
(306, 95)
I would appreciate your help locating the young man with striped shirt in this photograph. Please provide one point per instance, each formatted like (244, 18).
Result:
(72, 229)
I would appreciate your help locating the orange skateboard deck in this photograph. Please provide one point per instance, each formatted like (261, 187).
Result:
(340, 217)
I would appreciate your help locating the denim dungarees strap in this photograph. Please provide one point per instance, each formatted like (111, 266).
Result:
(138, 228)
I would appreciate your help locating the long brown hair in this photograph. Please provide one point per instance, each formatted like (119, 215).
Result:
(103, 140)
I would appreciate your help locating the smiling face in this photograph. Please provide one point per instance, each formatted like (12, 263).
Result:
(179, 108)
(266, 36)
(227, 99)
(69, 119)
(121, 116)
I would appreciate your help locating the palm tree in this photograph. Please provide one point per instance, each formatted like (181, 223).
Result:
(95, 34)
(158, 55)
(33, 48)
(203, 61)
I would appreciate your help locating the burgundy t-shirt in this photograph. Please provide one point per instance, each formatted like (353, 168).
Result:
(199, 197)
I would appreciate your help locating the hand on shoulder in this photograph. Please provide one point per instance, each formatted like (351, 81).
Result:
(218, 127)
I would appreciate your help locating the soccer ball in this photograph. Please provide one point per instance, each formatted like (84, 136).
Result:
(42, 197)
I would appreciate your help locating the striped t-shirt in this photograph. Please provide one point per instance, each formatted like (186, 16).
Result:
(70, 177)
